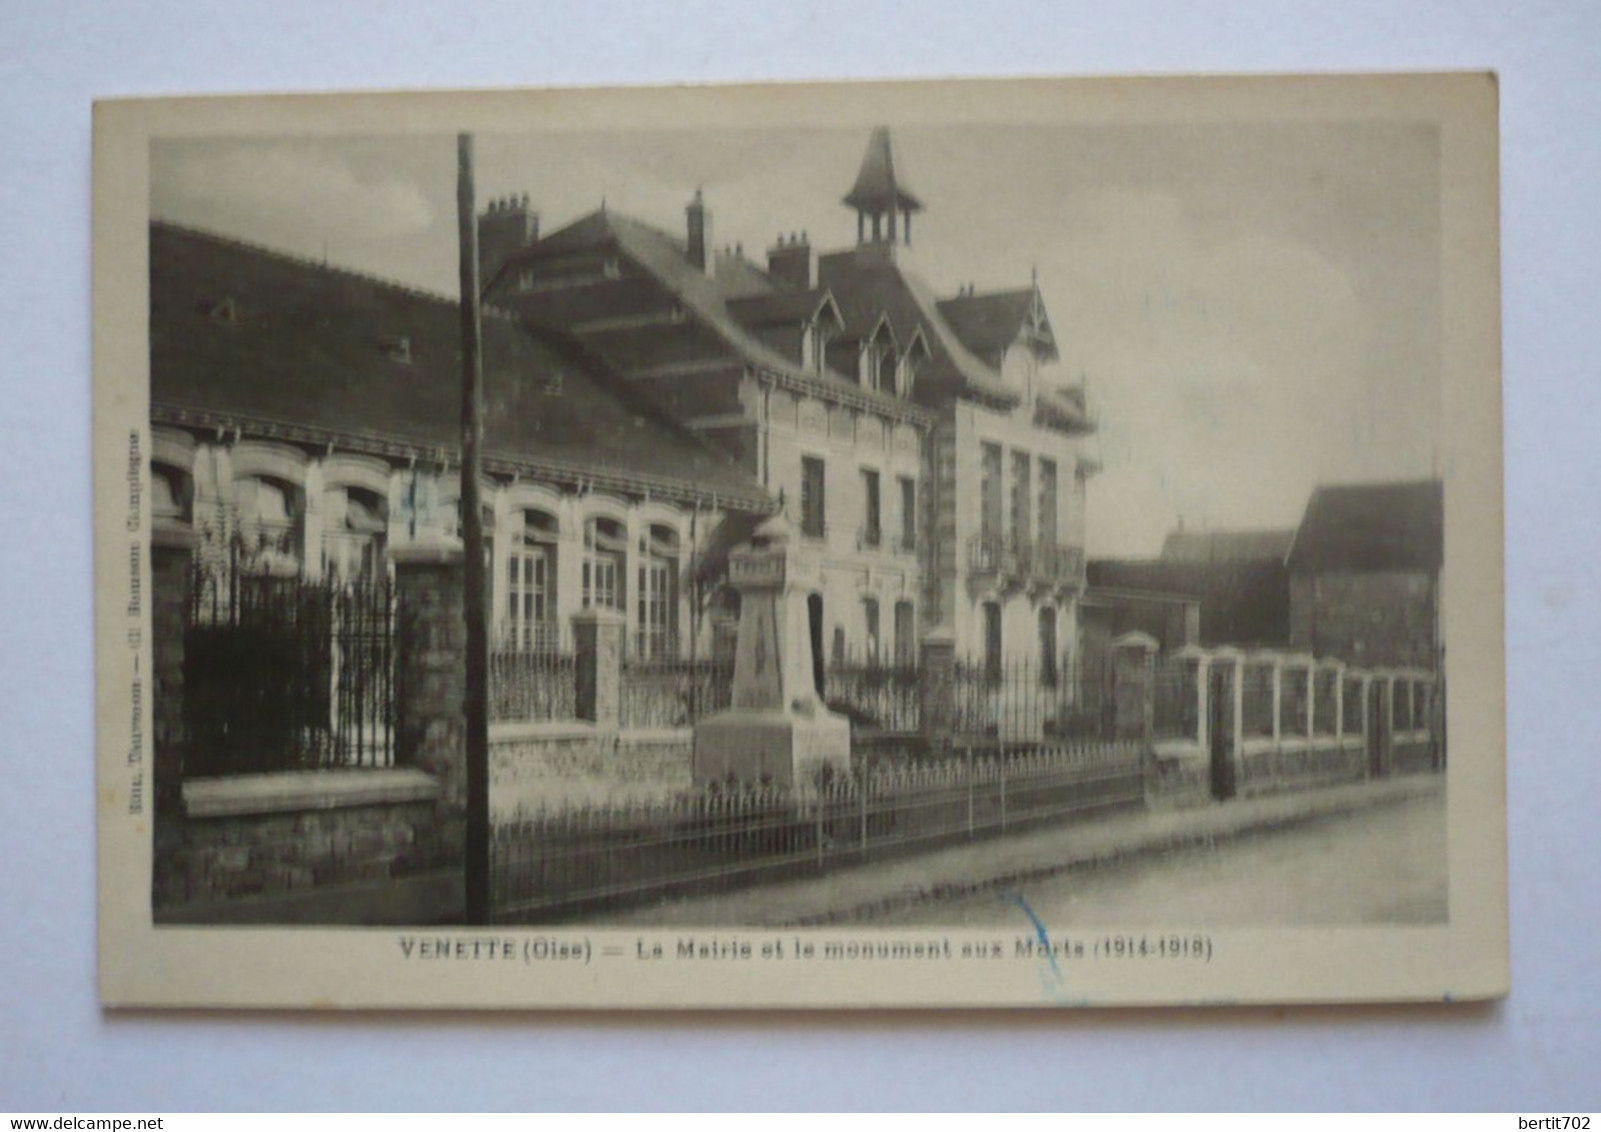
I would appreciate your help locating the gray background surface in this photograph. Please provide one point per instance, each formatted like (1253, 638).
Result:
(1537, 1052)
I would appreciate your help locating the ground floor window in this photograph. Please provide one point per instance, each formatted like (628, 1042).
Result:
(605, 546)
(531, 582)
(657, 590)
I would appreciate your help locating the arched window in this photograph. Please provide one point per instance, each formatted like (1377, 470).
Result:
(605, 549)
(356, 521)
(271, 517)
(171, 493)
(530, 624)
(657, 593)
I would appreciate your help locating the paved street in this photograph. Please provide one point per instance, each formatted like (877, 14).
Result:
(1385, 865)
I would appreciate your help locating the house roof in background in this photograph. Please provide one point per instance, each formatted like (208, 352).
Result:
(243, 333)
(1372, 526)
(1227, 546)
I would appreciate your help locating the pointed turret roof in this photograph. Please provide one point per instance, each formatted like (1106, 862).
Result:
(876, 189)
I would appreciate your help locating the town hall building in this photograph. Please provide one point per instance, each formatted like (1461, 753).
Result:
(929, 450)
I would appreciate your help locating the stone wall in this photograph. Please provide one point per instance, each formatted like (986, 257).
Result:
(555, 765)
(348, 847)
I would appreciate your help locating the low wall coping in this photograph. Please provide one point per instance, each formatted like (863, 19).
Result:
(547, 729)
(305, 790)
(559, 729)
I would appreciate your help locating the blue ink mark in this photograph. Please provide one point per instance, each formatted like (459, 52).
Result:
(1054, 985)
(1039, 930)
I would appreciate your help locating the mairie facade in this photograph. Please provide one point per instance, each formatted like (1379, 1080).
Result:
(930, 451)
(649, 398)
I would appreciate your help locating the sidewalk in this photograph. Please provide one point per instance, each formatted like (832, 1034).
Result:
(855, 894)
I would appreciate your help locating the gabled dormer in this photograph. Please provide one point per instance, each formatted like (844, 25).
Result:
(800, 325)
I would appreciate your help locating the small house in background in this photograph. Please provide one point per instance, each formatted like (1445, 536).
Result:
(1232, 584)
(1365, 573)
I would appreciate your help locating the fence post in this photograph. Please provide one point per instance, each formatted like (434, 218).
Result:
(822, 800)
(971, 786)
(1000, 767)
(861, 790)
(1134, 681)
(598, 674)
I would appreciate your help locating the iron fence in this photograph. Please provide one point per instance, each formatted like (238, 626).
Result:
(549, 864)
(532, 686)
(877, 695)
(1176, 712)
(1023, 700)
(287, 673)
(674, 693)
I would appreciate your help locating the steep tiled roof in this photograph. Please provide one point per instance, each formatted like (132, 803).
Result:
(779, 307)
(1372, 526)
(664, 259)
(243, 334)
(987, 324)
(1227, 546)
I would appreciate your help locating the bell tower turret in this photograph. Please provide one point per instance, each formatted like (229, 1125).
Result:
(877, 195)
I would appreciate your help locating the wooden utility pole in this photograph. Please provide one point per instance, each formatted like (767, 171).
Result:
(477, 690)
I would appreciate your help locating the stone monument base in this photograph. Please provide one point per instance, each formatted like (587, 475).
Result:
(778, 748)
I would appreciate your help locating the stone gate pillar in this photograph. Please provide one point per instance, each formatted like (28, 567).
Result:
(1134, 685)
(598, 649)
(430, 679)
(936, 686)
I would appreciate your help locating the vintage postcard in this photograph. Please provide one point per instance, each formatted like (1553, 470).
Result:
(983, 543)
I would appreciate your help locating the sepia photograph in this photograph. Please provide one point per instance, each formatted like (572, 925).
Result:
(919, 544)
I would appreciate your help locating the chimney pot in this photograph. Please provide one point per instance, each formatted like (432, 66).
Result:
(701, 250)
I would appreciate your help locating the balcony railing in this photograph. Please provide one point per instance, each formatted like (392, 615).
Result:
(1020, 562)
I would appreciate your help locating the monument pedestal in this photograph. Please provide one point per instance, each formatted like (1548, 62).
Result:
(778, 731)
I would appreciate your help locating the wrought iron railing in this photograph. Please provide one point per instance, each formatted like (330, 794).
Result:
(287, 673)
(551, 863)
(674, 693)
(532, 686)
(876, 694)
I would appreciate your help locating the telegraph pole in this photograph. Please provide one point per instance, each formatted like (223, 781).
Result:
(477, 676)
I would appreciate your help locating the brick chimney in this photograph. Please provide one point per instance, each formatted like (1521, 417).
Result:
(701, 252)
(789, 261)
(506, 228)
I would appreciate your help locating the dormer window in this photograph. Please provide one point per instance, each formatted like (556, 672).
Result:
(887, 367)
(225, 312)
(399, 350)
